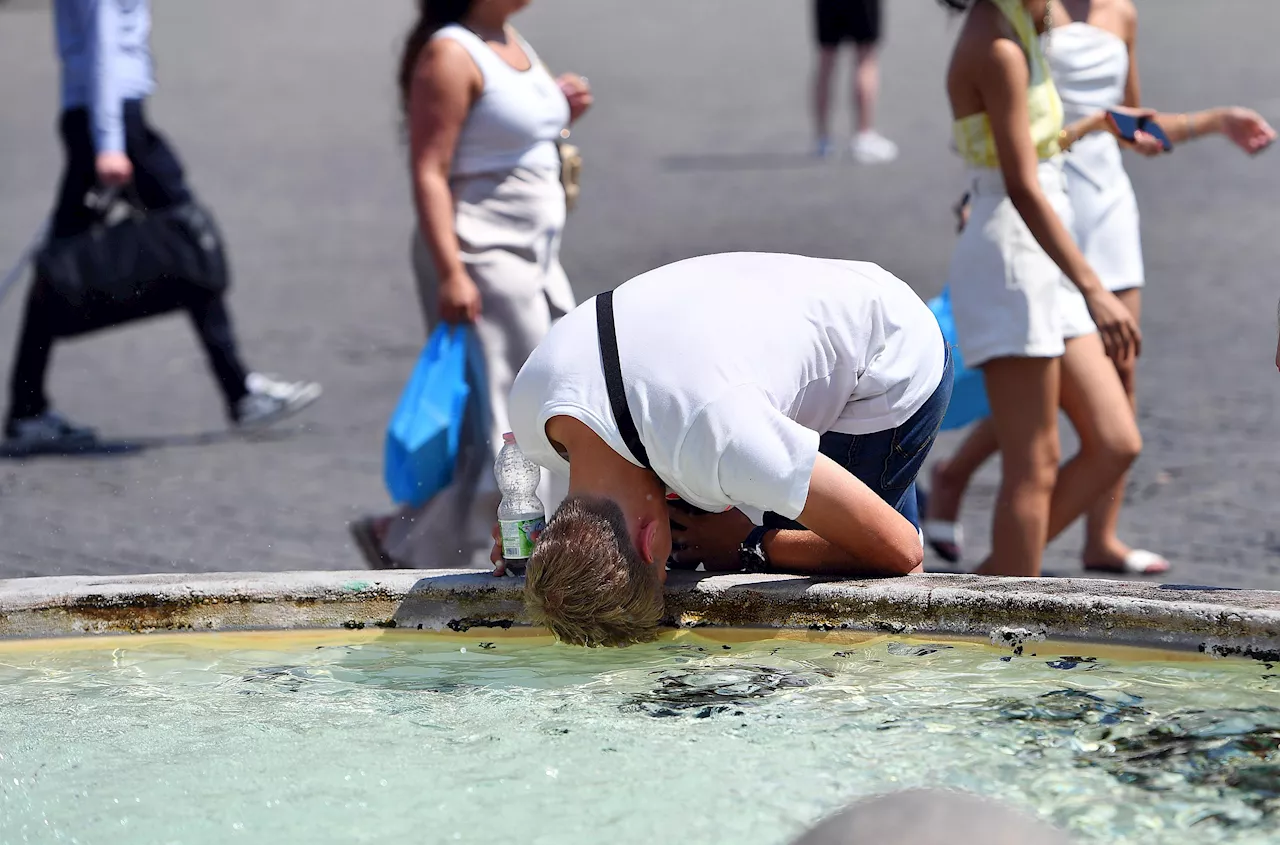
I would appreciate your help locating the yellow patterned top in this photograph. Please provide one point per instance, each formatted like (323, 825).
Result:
(973, 136)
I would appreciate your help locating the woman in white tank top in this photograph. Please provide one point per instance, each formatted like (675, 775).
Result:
(1090, 49)
(483, 117)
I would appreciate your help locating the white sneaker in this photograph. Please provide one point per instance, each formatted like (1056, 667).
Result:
(871, 147)
(270, 400)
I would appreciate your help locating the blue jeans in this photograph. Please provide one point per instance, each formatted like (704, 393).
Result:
(888, 461)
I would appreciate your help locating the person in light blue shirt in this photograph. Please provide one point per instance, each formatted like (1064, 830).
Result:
(104, 47)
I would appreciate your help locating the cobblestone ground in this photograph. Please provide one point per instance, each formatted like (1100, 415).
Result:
(285, 115)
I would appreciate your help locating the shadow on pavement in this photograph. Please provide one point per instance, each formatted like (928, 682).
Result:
(135, 445)
(734, 162)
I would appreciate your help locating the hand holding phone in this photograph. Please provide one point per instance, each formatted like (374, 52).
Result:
(1128, 126)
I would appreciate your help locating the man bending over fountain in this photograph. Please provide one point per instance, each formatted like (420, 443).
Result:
(806, 388)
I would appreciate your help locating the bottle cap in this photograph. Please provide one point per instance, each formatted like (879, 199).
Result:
(508, 438)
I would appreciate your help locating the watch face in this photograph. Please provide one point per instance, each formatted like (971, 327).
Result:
(753, 559)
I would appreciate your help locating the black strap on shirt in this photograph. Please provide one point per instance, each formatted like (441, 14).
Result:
(613, 379)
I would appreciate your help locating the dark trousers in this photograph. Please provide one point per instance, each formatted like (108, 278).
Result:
(159, 182)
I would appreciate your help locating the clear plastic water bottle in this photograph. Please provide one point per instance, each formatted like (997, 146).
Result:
(521, 515)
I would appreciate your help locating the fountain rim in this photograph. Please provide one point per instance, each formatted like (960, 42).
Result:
(1007, 611)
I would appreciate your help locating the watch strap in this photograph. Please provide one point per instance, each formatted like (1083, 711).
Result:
(752, 553)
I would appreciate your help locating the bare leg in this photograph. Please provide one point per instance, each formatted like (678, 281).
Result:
(1023, 393)
(822, 92)
(866, 85)
(1102, 547)
(1098, 408)
(951, 476)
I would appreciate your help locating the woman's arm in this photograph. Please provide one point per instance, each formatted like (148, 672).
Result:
(1132, 85)
(1244, 127)
(445, 84)
(1002, 79)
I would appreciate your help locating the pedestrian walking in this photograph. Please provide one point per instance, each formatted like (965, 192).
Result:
(837, 22)
(1033, 338)
(109, 144)
(484, 117)
(1091, 49)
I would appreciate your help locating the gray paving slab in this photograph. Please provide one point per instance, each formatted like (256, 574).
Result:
(284, 114)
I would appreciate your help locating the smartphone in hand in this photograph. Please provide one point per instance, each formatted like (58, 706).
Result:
(1130, 126)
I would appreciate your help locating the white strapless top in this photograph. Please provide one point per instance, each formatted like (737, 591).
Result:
(1090, 67)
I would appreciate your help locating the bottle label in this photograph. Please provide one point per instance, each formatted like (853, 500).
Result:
(519, 536)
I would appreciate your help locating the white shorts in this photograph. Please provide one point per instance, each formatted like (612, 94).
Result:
(1106, 212)
(1008, 297)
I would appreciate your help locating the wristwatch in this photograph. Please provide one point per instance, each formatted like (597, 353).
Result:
(751, 552)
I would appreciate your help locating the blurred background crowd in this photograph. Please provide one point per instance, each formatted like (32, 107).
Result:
(705, 132)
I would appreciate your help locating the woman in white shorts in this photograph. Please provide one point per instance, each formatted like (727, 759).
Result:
(1090, 51)
(1006, 279)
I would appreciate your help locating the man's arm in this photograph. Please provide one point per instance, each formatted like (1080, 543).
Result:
(106, 108)
(767, 460)
(853, 531)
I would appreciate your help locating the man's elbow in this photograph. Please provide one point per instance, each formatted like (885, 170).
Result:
(904, 555)
(905, 558)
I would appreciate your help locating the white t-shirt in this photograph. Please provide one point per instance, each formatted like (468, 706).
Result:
(734, 365)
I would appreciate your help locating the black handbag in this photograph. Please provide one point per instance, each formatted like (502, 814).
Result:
(135, 256)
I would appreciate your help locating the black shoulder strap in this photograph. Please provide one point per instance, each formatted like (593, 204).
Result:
(613, 379)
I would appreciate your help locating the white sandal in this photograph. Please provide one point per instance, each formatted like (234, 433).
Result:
(945, 538)
(1137, 562)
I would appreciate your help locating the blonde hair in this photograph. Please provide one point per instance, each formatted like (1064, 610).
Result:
(586, 580)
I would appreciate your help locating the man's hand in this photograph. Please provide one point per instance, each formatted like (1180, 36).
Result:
(495, 556)
(114, 169)
(710, 539)
(962, 210)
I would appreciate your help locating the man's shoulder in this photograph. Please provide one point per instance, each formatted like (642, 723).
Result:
(558, 365)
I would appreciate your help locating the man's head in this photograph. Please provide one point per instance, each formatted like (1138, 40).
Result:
(593, 583)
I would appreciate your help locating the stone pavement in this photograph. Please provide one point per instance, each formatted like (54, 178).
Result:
(285, 115)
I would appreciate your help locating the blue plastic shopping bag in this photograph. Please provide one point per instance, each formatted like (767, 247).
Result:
(425, 431)
(969, 396)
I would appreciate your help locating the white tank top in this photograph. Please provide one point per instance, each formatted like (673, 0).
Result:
(1090, 68)
(517, 118)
